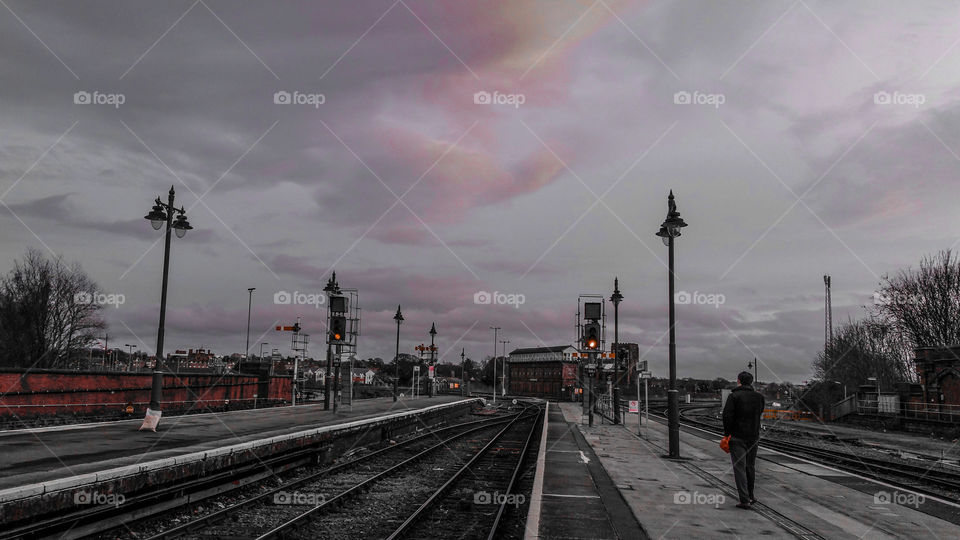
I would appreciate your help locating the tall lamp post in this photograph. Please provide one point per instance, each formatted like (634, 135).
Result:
(756, 374)
(246, 351)
(494, 360)
(162, 213)
(463, 374)
(396, 358)
(670, 229)
(616, 297)
(433, 359)
(503, 369)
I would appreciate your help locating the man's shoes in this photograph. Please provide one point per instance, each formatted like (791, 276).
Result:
(745, 506)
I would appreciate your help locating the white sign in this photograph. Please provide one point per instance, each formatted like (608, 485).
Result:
(416, 369)
(645, 374)
(634, 406)
(642, 365)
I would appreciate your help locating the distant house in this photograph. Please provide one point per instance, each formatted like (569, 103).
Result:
(362, 375)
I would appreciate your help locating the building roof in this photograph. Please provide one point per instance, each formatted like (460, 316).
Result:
(540, 350)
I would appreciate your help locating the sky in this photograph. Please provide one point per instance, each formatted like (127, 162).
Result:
(432, 152)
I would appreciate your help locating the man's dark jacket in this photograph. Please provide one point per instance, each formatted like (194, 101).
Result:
(741, 414)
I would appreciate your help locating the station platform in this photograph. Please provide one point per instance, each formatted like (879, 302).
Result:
(695, 497)
(32, 457)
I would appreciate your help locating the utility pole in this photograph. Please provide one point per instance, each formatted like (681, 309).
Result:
(828, 314)
(503, 371)
(494, 360)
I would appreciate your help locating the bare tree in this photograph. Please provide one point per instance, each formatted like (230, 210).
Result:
(865, 348)
(48, 312)
(924, 304)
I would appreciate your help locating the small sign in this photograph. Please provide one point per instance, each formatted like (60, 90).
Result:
(642, 365)
(645, 374)
(430, 372)
(634, 406)
(416, 369)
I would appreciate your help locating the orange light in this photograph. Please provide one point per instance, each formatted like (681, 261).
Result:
(336, 336)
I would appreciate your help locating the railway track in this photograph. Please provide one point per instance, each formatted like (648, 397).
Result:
(486, 455)
(99, 519)
(914, 477)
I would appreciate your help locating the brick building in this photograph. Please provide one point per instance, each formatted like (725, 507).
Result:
(939, 371)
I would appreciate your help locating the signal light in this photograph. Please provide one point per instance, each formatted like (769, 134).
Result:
(591, 335)
(338, 328)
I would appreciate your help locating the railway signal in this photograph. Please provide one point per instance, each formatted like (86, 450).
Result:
(338, 328)
(591, 335)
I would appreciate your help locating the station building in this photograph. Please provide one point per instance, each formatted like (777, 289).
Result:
(545, 372)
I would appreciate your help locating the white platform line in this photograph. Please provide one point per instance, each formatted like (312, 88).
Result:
(536, 498)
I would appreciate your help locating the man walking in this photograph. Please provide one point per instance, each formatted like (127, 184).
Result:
(741, 419)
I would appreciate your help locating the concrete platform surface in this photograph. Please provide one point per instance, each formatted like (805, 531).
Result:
(577, 498)
(696, 497)
(34, 456)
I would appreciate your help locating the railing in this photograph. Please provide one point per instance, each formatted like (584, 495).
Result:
(939, 412)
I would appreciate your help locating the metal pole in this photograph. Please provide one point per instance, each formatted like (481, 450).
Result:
(638, 404)
(336, 380)
(646, 402)
(494, 359)
(673, 405)
(246, 352)
(326, 379)
(396, 360)
(616, 359)
(156, 390)
(593, 359)
(430, 389)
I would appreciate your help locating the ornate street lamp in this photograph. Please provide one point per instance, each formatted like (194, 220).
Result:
(396, 359)
(669, 230)
(433, 358)
(164, 213)
(616, 297)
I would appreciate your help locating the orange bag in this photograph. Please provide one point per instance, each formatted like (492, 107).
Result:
(725, 444)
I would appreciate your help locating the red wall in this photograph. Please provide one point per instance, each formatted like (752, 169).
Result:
(27, 394)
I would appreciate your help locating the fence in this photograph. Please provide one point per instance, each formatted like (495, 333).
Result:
(938, 412)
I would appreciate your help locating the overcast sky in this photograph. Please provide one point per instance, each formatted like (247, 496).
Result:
(820, 137)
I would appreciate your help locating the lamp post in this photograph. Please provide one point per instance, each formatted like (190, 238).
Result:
(616, 297)
(754, 365)
(503, 370)
(162, 213)
(433, 359)
(261, 350)
(396, 358)
(670, 229)
(463, 374)
(246, 351)
(494, 360)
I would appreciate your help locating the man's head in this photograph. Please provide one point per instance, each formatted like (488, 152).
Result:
(745, 378)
